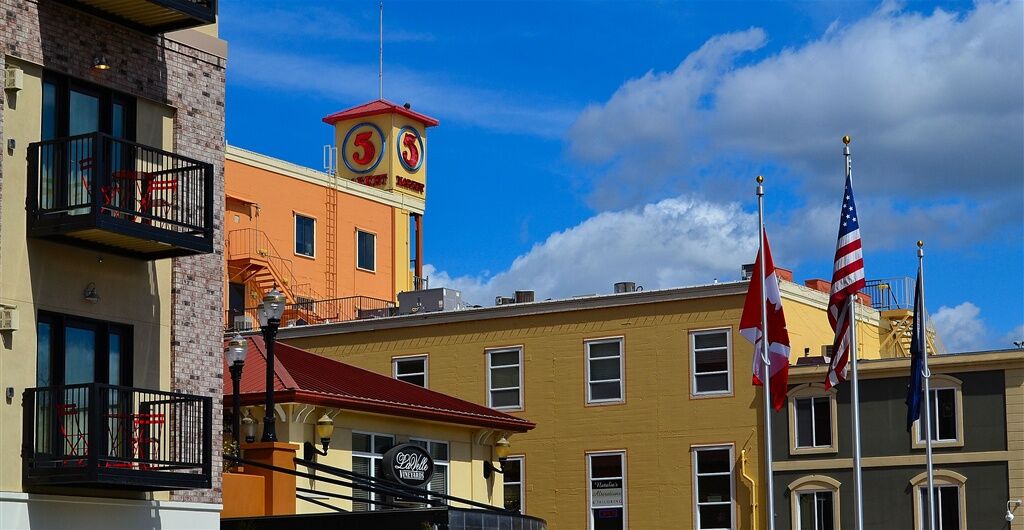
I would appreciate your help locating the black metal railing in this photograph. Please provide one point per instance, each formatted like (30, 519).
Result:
(306, 312)
(98, 174)
(890, 293)
(149, 439)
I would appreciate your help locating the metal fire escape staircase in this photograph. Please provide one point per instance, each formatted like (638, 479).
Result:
(254, 261)
(893, 298)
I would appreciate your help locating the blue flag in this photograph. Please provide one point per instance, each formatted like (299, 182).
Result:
(917, 353)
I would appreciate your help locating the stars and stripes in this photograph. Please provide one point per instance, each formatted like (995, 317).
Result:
(847, 280)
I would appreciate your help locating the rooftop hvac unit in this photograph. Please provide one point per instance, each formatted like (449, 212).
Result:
(627, 287)
(429, 301)
(523, 297)
(747, 271)
(8, 318)
(504, 300)
(242, 322)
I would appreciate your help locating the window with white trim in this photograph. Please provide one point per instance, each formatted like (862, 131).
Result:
(505, 378)
(439, 452)
(514, 486)
(947, 506)
(816, 510)
(366, 251)
(305, 235)
(606, 496)
(605, 368)
(710, 362)
(713, 488)
(410, 369)
(813, 421)
(368, 458)
(943, 416)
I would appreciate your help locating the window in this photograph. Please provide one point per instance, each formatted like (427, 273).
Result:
(607, 490)
(950, 508)
(604, 371)
(812, 419)
(439, 452)
(368, 459)
(713, 487)
(410, 369)
(366, 251)
(945, 400)
(504, 378)
(305, 235)
(710, 362)
(815, 503)
(73, 350)
(515, 493)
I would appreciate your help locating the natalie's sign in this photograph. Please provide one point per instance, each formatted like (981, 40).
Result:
(408, 464)
(606, 493)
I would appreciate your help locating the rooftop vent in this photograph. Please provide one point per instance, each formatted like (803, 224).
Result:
(504, 300)
(523, 297)
(747, 271)
(627, 287)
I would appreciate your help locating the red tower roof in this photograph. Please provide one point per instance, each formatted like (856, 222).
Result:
(380, 106)
(304, 377)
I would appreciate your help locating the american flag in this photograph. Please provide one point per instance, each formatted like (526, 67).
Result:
(847, 280)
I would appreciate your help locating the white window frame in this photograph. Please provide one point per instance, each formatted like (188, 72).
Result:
(625, 487)
(622, 370)
(374, 234)
(425, 373)
(942, 382)
(693, 363)
(438, 463)
(811, 391)
(371, 456)
(522, 480)
(695, 450)
(943, 479)
(490, 390)
(295, 234)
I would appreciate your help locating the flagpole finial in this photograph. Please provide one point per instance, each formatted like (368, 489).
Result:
(760, 179)
(920, 244)
(846, 140)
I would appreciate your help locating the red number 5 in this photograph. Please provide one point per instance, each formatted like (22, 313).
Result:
(363, 141)
(412, 157)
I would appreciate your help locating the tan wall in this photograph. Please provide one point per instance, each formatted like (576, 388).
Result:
(38, 275)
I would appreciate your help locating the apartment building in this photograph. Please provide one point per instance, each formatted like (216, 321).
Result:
(111, 188)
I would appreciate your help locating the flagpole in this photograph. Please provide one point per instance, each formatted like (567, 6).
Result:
(766, 374)
(858, 480)
(926, 374)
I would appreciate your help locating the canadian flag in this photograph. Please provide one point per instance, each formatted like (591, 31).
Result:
(778, 337)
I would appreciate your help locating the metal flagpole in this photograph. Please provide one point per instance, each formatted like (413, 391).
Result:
(926, 375)
(858, 481)
(380, 73)
(766, 375)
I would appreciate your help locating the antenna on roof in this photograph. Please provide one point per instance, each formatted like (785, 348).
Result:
(380, 73)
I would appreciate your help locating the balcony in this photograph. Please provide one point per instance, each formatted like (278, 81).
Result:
(96, 435)
(152, 16)
(307, 312)
(103, 193)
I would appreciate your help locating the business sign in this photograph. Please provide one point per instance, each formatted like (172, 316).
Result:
(363, 148)
(606, 493)
(408, 464)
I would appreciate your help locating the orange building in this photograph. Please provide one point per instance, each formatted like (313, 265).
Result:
(340, 244)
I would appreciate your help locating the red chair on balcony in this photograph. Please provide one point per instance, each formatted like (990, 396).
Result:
(76, 440)
(146, 445)
(85, 167)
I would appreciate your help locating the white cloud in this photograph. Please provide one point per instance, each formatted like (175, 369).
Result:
(935, 104)
(674, 242)
(961, 328)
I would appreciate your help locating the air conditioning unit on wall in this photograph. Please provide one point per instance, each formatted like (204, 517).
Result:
(8, 318)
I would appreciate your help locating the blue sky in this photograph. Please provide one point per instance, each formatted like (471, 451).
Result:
(583, 143)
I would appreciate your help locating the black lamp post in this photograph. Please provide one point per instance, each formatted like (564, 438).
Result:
(270, 318)
(235, 353)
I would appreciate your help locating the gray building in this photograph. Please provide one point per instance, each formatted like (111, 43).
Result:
(978, 446)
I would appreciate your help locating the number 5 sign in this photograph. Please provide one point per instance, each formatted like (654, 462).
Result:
(410, 148)
(363, 148)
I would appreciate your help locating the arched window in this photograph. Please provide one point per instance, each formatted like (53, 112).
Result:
(947, 414)
(812, 420)
(814, 502)
(950, 502)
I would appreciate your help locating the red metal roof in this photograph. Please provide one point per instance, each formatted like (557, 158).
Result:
(380, 106)
(304, 377)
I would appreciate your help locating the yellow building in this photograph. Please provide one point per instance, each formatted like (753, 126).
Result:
(645, 414)
(371, 413)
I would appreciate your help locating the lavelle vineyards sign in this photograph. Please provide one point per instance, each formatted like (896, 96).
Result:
(408, 464)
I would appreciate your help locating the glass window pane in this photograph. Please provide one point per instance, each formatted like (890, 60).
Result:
(43, 377)
(117, 118)
(504, 358)
(513, 470)
(505, 377)
(804, 423)
(806, 503)
(83, 114)
(513, 497)
(366, 250)
(716, 516)
(712, 383)
(605, 391)
(49, 131)
(381, 444)
(418, 380)
(605, 466)
(709, 340)
(822, 421)
(361, 442)
(304, 235)
(825, 512)
(711, 361)
(79, 355)
(505, 398)
(603, 349)
(439, 480)
(602, 369)
(608, 519)
(114, 371)
(714, 488)
(409, 366)
(713, 461)
(946, 412)
(949, 507)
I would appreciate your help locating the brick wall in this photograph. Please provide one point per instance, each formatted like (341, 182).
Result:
(66, 40)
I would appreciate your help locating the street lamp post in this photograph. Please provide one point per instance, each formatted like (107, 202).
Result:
(235, 353)
(270, 318)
